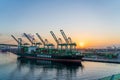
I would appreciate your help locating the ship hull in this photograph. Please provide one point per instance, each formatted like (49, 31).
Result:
(58, 58)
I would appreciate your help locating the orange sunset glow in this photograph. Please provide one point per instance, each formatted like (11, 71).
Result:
(89, 26)
(59, 39)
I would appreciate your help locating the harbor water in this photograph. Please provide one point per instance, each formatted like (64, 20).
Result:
(13, 68)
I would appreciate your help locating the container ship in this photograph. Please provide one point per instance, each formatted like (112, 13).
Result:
(64, 52)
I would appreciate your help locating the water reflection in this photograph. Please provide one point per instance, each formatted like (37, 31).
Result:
(13, 68)
(48, 64)
(43, 70)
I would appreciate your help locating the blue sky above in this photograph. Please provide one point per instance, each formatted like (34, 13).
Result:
(84, 20)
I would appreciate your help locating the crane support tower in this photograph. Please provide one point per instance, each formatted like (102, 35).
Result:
(19, 42)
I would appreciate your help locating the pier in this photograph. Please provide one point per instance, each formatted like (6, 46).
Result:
(8, 47)
(107, 60)
(102, 60)
(101, 55)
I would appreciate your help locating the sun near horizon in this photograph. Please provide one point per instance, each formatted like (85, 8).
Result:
(91, 24)
(81, 44)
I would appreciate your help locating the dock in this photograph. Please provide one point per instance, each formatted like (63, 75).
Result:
(102, 60)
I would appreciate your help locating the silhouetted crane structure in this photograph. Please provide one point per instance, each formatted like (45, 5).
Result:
(55, 38)
(16, 40)
(40, 38)
(64, 36)
(45, 43)
(19, 41)
(68, 41)
(29, 39)
(72, 45)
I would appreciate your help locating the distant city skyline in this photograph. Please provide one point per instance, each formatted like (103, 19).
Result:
(90, 23)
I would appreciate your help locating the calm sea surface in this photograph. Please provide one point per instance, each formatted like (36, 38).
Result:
(13, 68)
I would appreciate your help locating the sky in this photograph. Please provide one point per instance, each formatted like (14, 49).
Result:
(92, 23)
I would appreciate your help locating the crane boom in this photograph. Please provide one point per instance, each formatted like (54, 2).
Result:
(64, 36)
(40, 38)
(55, 38)
(14, 38)
(28, 38)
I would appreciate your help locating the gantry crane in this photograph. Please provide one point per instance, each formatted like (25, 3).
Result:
(64, 36)
(55, 38)
(68, 40)
(45, 43)
(29, 39)
(48, 44)
(40, 39)
(72, 45)
(61, 43)
(19, 42)
(58, 41)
